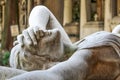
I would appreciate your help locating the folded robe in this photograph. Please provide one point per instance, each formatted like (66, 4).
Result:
(100, 39)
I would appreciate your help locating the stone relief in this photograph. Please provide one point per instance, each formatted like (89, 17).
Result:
(95, 57)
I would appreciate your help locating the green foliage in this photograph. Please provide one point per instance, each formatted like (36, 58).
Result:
(5, 58)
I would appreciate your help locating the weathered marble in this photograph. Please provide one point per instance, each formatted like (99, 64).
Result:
(37, 46)
(6, 72)
(95, 57)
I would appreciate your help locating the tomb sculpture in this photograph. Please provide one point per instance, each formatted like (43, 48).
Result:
(95, 57)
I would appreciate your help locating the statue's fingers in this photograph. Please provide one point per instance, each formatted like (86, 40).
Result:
(27, 38)
(48, 33)
(15, 43)
(41, 33)
(36, 31)
(20, 40)
(32, 36)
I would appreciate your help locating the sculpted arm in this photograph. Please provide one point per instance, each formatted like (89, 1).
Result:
(39, 17)
(53, 45)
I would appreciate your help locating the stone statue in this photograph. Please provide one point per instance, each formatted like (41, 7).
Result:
(95, 57)
(116, 29)
(39, 44)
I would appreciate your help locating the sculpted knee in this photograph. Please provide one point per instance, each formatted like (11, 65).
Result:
(116, 30)
(39, 16)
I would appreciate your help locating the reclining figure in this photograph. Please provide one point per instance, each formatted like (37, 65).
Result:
(96, 57)
(40, 44)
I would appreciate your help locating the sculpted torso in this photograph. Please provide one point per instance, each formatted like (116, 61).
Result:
(96, 57)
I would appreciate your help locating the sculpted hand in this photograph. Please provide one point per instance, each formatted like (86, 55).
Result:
(29, 37)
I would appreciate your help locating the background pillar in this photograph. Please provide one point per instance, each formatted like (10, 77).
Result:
(108, 15)
(83, 17)
(67, 12)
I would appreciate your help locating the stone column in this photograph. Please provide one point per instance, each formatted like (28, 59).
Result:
(99, 10)
(108, 15)
(118, 7)
(83, 17)
(23, 11)
(1, 18)
(3, 13)
(3, 3)
(29, 6)
(67, 12)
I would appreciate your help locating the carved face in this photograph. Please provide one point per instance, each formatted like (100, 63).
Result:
(50, 44)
